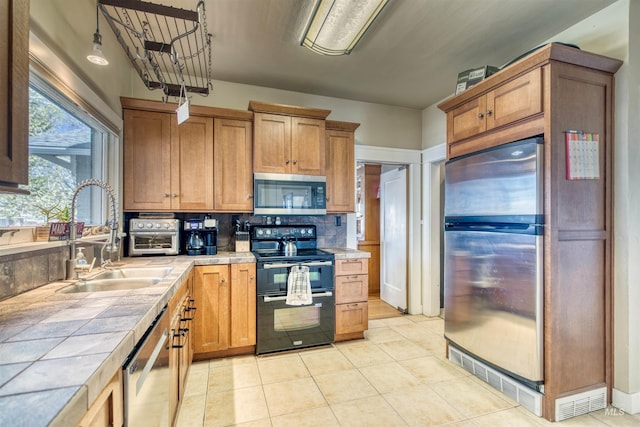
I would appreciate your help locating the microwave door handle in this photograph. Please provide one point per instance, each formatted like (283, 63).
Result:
(284, 297)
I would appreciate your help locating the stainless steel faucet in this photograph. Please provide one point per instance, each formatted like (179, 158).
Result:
(113, 234)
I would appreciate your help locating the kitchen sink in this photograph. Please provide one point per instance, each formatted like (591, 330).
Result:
(120, 279)
(102, 285)
(134, 273)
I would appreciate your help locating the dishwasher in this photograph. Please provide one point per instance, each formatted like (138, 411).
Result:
(147, 377)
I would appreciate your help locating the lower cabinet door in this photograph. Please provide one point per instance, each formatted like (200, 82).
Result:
(212, 294)
(351, 318)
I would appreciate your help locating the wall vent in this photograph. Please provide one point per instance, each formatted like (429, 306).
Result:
(528, 398)
(581, 403)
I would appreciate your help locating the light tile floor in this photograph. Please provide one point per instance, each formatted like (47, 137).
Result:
(397, 376)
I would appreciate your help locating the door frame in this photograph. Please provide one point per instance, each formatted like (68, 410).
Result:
(410, 158)
(431, 163)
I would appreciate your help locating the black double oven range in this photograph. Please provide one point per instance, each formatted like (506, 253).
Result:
(281, 326)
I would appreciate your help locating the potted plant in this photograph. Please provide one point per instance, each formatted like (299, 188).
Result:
(51, 214)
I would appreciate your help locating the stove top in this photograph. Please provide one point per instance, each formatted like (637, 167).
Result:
(275, 255)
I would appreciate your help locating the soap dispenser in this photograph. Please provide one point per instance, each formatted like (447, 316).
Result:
(81, 259)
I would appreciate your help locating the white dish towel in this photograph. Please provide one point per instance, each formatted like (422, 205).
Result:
(299, 286)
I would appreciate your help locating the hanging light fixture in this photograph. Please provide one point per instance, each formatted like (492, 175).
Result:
(96, 56)
(336, 26)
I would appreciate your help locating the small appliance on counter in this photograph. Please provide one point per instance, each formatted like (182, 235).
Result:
(193, 229)
(210, 231)
(154, 234)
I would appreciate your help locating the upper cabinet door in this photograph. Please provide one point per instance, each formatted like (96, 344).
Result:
(147, 160)
(340, 171)
(14, 94)
(272, 143)
(192, 164)
(307, 146)
(233, 160)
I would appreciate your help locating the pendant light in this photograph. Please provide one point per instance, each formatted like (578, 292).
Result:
(96, 56)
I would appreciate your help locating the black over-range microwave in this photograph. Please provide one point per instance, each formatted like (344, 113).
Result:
(287, 194)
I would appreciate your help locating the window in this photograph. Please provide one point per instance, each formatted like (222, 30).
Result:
(66, 146)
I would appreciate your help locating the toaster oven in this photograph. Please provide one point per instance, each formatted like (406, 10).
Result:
(154, 236)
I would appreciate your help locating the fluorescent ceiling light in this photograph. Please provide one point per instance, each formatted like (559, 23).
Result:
(336, 26)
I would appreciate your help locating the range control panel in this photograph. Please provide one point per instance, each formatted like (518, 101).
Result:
(266, 232)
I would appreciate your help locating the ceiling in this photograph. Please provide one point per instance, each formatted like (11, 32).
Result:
(410, 57)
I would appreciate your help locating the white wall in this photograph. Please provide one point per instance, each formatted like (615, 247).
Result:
(380, 125)
(67, 28)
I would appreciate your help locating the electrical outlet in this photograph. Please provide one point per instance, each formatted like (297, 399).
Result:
(338, 221)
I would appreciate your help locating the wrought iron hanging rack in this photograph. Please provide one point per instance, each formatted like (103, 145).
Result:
(170, 48)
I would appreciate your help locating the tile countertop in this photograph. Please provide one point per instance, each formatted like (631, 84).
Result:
(345, 253)
(59, 350)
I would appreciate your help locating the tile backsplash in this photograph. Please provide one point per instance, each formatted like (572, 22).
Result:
(330, 235)
(25, 271)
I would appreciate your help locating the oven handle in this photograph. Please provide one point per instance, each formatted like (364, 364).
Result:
(293, 264)
(283, 298)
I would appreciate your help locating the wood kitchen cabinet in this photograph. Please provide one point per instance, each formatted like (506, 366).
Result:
(108, 408)
(181, 308)
(352, 293)
(243, 305)
(203, 165)
(14, 95)
(226, 310)
(550, 91)
(518, 99)
(167, 167)
(289, 140)
(233, 165)
(340, 168)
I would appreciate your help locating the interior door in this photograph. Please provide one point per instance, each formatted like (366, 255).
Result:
(393, 238)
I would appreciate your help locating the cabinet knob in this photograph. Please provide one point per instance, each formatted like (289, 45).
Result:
(222, 280)
(287, 161)
(175, 195)
(250, 277)
(480, 115)
(166, 195)
(295, 162)
(250, 196)
(489, 112)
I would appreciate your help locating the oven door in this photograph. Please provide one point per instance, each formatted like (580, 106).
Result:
(285, 327)
(273, 276)
(151, 243)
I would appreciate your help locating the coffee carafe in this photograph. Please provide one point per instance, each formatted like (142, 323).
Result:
(210, 236)
(194, 241)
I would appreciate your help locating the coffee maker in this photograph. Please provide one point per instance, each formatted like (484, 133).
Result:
(194, 242)
(210, 232)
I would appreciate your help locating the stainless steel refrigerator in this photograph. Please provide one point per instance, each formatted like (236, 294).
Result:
(493, 279)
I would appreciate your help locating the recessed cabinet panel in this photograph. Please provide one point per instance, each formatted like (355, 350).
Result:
(14, 94)
(233, 164)
(272, 143)
(147, 160)
(192, 164)
(340, 171)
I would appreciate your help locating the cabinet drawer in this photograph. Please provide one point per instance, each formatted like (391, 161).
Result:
(352, 318)
(353, 288)
(352, 266)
